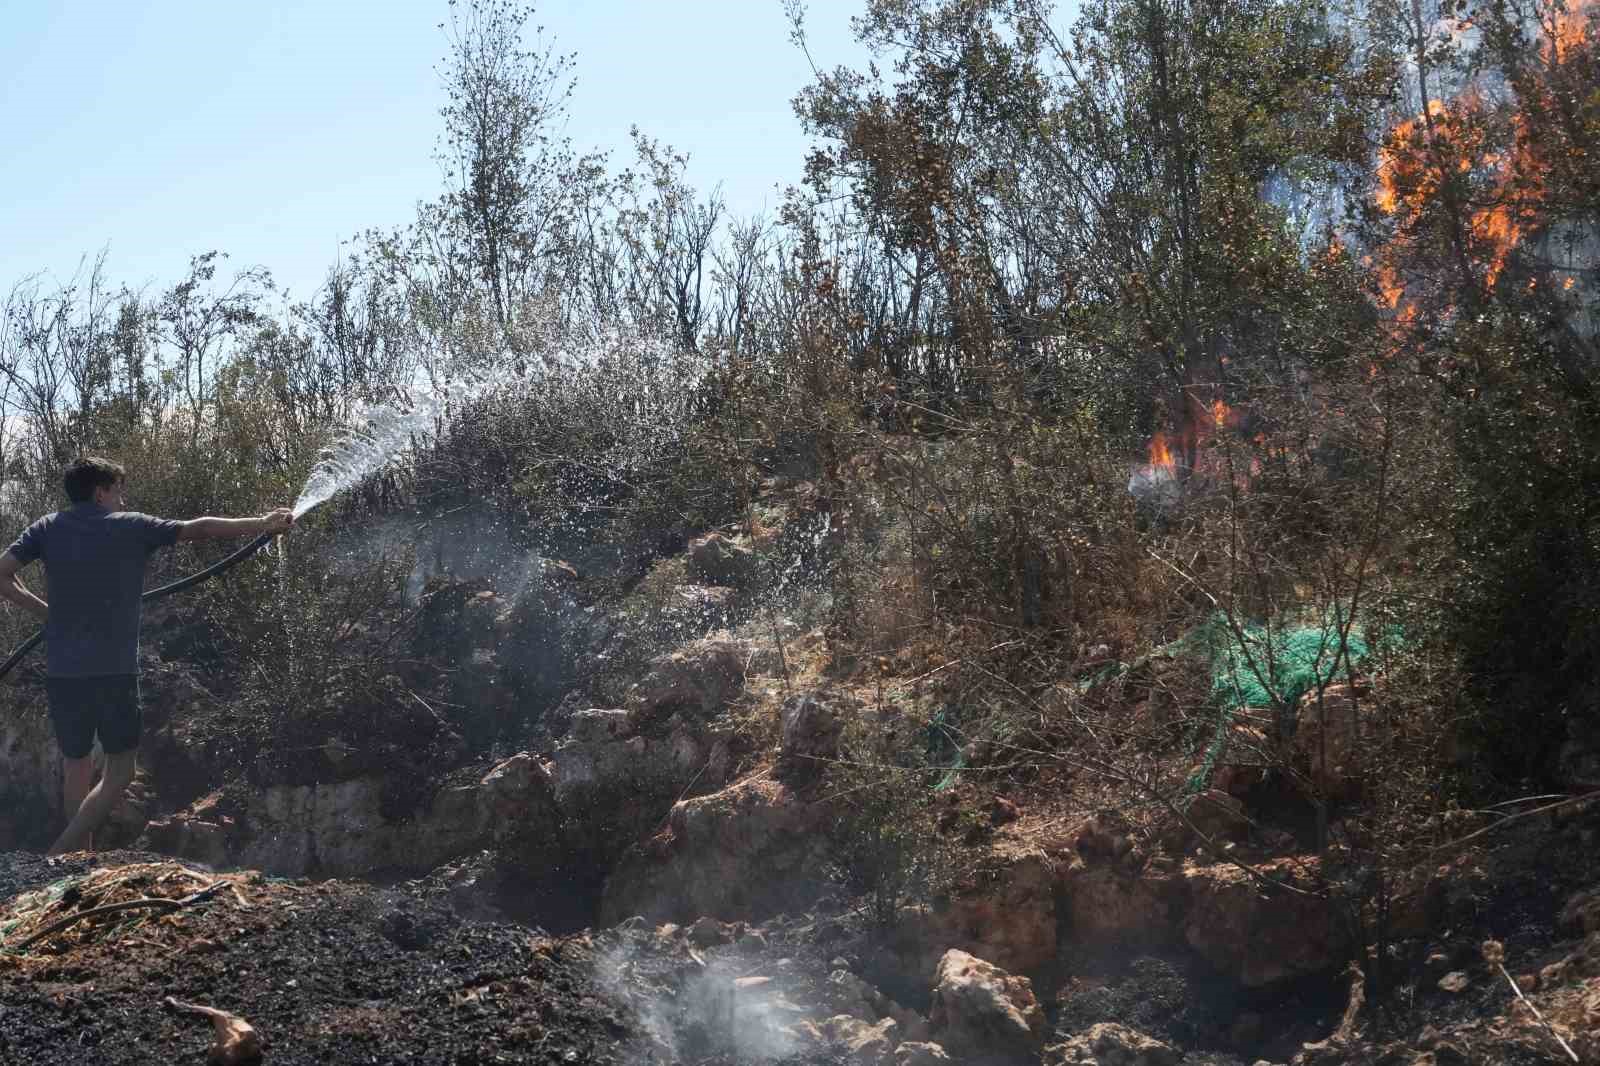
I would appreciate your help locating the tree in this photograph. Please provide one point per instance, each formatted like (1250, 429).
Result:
(200, 325)
(505, 212)
(1103, 186)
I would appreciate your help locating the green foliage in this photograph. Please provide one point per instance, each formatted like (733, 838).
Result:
(317, 654)
(886, 846)
(1023, 247)
(1523, 526)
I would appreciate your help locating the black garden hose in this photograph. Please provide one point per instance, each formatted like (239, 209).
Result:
(155, 594)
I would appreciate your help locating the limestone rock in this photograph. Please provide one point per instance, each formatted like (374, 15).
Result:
(920, 1053)
(718, 559)
(1105, 905)
(1109, 1044)
(1254, 933)
(615, 784)
(865, 1044)
(845, 993)
(697, 680)
(30, 766)
(747, 851)
(811, 724)
(1218, 815)
(1009, 917)
(514, 788)
(1244, 758)
(983, 1012)
(340, 829)
(710, 601)
(1327, 740)
(599, 752)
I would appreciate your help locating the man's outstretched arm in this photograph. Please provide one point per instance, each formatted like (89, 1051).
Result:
(12, 588)
(277, 521)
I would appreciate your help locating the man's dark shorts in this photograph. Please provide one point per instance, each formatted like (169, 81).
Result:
(80, 707)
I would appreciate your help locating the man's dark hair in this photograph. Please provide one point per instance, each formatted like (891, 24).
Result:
(89, 473)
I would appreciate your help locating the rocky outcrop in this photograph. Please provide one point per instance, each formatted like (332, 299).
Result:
(1008, 915)
(1109, 1044)
(747, 851)
(341, 830)
(718, 559)
(1218, 815)
(171, 757)
(1327, 741)
(863, 1043)
(845, 993)
(615, 784)
(1260, 929)
(984, 1014)
(698, 680)
(811, 724)
(1105, 904)
(30, 772)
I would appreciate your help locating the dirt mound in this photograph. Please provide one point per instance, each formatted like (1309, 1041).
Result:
(328, 972)
(346, 972)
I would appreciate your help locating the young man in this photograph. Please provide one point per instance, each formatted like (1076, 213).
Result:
(95, 553)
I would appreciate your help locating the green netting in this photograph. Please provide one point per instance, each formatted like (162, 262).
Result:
(943, 748)
(1262, 667)
(1258, 665)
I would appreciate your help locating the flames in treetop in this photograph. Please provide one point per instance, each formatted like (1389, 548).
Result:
(1478, 158)
(1405, 177)
(1498, 194)
(1565, 28)
(1391, 285)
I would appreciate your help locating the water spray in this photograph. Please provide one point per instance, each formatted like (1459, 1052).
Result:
(381, 433)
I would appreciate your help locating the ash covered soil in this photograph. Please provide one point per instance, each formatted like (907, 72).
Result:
(335, 972)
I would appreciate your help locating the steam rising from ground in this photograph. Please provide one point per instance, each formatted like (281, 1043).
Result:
(710, 1011)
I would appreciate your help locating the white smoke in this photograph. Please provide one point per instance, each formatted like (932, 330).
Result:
(714, 1010)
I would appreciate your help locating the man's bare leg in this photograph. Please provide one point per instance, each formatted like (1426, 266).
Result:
(116, 779)
(77, 775)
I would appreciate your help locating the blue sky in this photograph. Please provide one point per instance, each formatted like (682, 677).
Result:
(160, 129)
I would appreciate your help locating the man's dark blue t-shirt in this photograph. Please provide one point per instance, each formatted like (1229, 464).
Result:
(95, 561)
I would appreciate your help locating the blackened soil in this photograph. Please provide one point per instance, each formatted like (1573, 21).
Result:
(348, 973)
(329, 973)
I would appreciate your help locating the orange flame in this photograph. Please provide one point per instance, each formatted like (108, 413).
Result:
(1568, 28)
(1160, 453)
(1451, 138)
(1391, 285)
(1404, 179)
